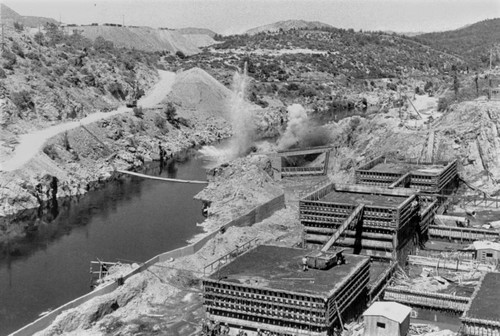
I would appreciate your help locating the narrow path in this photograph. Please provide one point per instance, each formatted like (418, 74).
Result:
(31, 143)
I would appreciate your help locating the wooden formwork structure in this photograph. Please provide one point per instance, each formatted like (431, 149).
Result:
(426, 299)
(255, 294)
(383, 231)
(279, 171)
(433, 182)
(482, 315)
(462, 233)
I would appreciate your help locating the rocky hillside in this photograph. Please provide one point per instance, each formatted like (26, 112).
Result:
(52, 77)
(287, 25)
(339, 51)
(472, 42)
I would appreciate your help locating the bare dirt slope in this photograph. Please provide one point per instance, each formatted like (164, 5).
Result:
(141, 38)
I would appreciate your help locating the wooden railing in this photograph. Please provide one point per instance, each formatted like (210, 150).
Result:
(231, 255)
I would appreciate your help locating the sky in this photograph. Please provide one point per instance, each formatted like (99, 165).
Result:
(236, 16)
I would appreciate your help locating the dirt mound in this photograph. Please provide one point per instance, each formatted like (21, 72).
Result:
(141, 38)
(194, 30)
(196, 90)
(199, 40)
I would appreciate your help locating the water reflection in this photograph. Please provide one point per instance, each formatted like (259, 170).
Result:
(46, 252)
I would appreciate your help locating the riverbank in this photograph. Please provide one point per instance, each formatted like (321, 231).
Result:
(166, 298)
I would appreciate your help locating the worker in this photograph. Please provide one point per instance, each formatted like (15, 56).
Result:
(304, 264)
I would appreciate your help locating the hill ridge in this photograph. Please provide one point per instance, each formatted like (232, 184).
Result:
(287, 25)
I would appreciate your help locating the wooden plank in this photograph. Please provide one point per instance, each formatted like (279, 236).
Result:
(351, 221)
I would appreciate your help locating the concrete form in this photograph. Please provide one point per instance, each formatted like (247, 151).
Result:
(482, 315)
(433, 177)
(266, 289)
(278, 159)
(386, 228)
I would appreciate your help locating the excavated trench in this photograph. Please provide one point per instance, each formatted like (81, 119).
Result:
(129, 219)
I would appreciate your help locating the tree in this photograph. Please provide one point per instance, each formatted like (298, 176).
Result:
(54, 34)
(39, 38)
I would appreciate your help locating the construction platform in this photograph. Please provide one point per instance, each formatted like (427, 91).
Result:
(431, 177)
(281, 167)
(482, 315)
(266, 288)
(382, 222)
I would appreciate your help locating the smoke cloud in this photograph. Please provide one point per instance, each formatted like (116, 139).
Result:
(301, 132)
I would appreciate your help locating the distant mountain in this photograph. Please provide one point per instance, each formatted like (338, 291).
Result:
(196, 31)
(9, 16)
(287, 25)
(472, 42)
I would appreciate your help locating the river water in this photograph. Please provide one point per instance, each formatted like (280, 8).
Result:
(132, 219)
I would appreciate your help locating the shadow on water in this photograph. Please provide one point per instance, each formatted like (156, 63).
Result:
(45, 262)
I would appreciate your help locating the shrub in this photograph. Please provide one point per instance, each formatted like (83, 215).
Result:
(180, 54)
(51, 152)
(10, 59)
(16, 48)
(443, 104)
(39, 38)
(160, 122)
(171, 112)
(22, 100)
(2, 73)
(18, 26)
(116, 89)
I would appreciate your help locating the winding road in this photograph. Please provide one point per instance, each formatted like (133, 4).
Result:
(31, 143)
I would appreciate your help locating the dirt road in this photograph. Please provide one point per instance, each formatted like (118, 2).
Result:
(31, 143)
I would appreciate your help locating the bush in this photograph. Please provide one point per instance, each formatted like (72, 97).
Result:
(39, 38)
(18, 26)
(2, 74)
(51, 152)
(116, 89)
(16, 48)
(22, 100)
(171, 112)
(160, 122)
(180, 54)
(10, 59)
(443, 104)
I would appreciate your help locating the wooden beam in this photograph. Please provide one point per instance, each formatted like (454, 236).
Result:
(353, 220)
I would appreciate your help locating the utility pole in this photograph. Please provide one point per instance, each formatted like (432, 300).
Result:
(3, 37)
(123, 20)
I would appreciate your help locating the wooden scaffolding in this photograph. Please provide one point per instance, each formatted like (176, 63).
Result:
(388, 222)
(266, 289)
(278, 159)
(409, 174)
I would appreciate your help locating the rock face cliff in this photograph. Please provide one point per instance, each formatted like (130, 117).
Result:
(470, 131)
